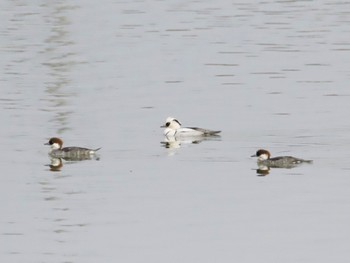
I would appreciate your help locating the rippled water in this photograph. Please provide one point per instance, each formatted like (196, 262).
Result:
(269, 74)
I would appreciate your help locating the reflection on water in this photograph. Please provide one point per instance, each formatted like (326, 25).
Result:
(175, 143)
(59, 61)
(56, 164)
(172, 144)
(37, 59)
(264, 169)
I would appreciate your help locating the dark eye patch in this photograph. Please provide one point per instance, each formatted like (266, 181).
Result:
(167, 124)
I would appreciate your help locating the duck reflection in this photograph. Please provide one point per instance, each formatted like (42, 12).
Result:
(175, 143)
(56, 164)
(262, 170)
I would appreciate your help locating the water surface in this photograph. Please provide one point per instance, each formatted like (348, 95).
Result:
(269, 74)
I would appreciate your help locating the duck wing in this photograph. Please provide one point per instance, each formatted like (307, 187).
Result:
(205, 131)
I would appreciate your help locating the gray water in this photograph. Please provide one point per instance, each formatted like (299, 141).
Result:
(269, 74)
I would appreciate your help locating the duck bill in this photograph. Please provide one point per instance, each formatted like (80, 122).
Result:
(47, 143)
(253, 155)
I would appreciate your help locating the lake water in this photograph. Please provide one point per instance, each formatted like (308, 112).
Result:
(269, 74)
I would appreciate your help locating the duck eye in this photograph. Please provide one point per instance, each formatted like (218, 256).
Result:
(50, 142)
(167, 124)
